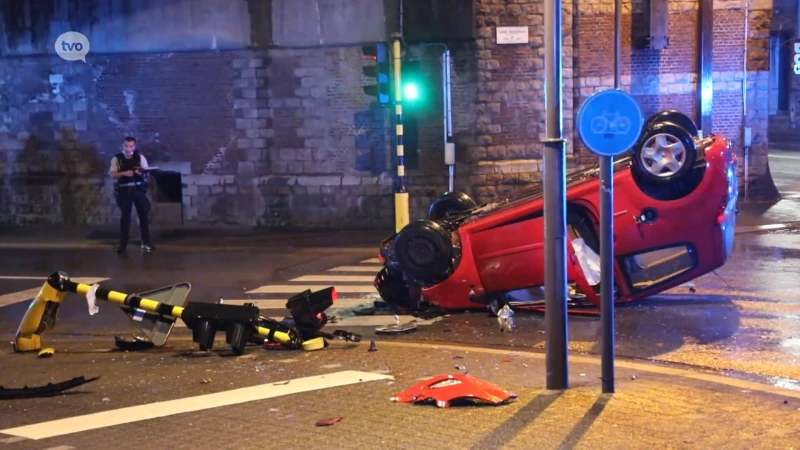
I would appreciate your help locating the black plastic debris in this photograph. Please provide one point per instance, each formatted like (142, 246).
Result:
(48, 390)
(133, 345)
(365, 311)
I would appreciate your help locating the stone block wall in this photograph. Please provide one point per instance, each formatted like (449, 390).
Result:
(287, 138)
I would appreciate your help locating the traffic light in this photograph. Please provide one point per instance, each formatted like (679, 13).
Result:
(380, 72)
(415, 94)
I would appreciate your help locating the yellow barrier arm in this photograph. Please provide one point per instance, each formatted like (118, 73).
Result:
(42, 312)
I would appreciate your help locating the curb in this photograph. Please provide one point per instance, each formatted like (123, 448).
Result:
(77, 245)
(767, 227)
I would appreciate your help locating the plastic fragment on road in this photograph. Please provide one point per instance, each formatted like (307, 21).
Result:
(329, 422)
(505, 318)
(445, 390)
(132, 345)
(46, 352)
(47, 390)
(396, 329)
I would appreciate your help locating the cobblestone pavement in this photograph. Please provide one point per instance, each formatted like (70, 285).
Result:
(654, 406)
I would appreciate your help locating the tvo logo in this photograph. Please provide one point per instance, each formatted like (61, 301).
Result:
(72, 46)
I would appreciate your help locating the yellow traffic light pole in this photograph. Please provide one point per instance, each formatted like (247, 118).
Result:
(401, 207)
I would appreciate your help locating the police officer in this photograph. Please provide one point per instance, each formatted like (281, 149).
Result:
(131, 190)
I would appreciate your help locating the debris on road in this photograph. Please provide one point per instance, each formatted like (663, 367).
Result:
(155, 313)
(329, 422)
(47, 390)
(372, 347)
(46, 353)
(459, 367)
(447, 389)
(132, 345)
(505, 317)
(396, 329)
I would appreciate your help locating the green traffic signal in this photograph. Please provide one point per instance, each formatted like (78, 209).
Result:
(411, 91)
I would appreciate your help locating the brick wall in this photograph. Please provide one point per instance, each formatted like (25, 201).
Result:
(287, 138)
(62, 123)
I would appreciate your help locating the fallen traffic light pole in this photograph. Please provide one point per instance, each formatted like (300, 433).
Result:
(241, 323)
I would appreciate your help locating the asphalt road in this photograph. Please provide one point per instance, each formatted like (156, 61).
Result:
(741, 322)
(745, 317)
(785, 169)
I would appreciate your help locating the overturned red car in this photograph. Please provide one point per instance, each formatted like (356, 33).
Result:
(675, 214)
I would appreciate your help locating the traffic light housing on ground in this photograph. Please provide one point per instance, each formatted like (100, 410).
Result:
(381, 72)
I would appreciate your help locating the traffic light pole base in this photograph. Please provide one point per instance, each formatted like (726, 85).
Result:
(401, 211)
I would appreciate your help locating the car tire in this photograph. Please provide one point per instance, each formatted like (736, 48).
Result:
(424, 252)
(673, 116)
(450, 204)
(666, 153)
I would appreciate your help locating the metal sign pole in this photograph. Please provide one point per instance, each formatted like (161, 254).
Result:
(449, 146)
(555, 214)
(607, 230)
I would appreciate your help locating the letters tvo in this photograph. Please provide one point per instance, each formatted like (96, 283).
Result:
(77, 47)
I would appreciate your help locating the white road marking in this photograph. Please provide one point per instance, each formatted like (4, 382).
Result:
(296, 289)
(85, 280)
(353, 321)
(364, 268)
(29, 294)
(17, 297)
(149, 411)
(281, 304)
(334, 278)
(61, 447)
(377, 321)
(784, 157)
(371, 261)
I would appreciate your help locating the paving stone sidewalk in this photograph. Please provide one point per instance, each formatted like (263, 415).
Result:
(654, 406)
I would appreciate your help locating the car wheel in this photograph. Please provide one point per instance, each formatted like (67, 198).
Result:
(424, 252)
(673, 116)
(665, 153)
(449, 205)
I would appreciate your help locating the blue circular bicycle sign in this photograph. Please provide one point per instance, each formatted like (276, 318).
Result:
(610, 122)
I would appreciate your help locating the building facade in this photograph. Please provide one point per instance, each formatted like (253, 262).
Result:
(269, 130)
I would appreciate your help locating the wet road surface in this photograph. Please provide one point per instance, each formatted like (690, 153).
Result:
(784, 166)
(744, 318)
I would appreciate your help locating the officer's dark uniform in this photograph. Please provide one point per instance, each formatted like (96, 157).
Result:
(132, 191)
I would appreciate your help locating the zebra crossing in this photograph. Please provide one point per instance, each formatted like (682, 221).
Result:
(353, 284)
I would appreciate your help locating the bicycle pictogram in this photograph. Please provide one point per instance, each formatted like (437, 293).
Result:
(610, 123)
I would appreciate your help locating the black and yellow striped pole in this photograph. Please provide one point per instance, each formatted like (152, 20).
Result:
(401, 206)
(41, 315)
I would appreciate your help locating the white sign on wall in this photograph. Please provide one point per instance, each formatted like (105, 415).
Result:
(797, 58)
(512, 35)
